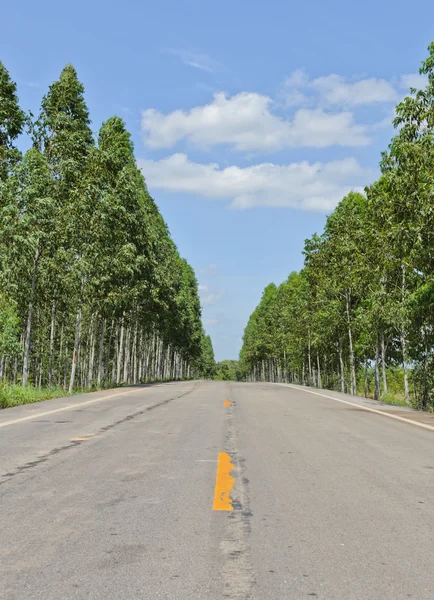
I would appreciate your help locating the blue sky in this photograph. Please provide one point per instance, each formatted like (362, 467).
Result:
(250, 119)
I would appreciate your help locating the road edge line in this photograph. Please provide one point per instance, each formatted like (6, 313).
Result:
(367, 408)
(63, 408)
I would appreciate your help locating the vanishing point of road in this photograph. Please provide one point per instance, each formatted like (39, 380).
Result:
(208, 490)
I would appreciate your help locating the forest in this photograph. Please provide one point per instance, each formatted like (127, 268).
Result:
(93, 291)
(359, 316)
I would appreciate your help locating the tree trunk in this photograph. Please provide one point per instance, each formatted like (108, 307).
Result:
(341, 364)
(100, 353)
(377, 370)
(65, 366)
(403, 339)
(76, 349)
(309, 359)
(59, 365)
(353, 386)
(120, 353)
(383, 363)
(91, 356)
(366, 389)
(50, 359)
(319, 371)
(25, 375)
(404, 366)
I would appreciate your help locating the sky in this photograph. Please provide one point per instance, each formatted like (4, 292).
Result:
(250, 119)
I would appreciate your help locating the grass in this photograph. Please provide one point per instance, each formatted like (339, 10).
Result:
(396, 400)
(15, 395)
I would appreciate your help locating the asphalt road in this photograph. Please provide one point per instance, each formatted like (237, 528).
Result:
(111, 495)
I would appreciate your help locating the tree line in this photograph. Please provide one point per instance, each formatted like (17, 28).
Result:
(362, 307)
(93, 291)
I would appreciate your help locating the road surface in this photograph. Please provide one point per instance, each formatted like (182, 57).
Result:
(119, 495)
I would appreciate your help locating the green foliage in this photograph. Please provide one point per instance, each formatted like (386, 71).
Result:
(9, 327)
(208, 364)
(12, 120)
(228, 370)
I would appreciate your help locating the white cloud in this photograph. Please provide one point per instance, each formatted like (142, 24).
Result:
(413, 80)
(210, 321)
(197, 60)
(308, 186)
(209, 296)
(210, 270)
(335, 90)
(246, 122)
(297, 79)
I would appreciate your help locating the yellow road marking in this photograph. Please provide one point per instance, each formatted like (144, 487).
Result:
(224, 483)
(372, 410)
(227, 403)
(69, 407)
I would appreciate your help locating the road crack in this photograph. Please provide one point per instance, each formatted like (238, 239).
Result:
(74, 443)
(237, 570)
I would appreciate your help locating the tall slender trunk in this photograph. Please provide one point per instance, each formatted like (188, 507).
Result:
(107, 358)
(25, 375)
(100, 353)
(120, 353)
(353, 383)
(59, 366)
(383, 363)
(425, 384)
(404, 340)
(126, 355)
(140, 357)
(404, 366)
(65, 366)
(50, 359)
(366, 390)
(377, 370)
(91, 357)
(341, 364)
(309, 359)
(76, 348)
(319, 383)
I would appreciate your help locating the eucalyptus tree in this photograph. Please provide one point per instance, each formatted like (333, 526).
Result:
(12, 121)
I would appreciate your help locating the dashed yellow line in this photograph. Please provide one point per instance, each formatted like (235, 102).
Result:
(227, 402)
(224, 483)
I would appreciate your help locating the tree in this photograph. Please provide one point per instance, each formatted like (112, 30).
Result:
(12, 121)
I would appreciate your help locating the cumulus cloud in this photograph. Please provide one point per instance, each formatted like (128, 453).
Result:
(209, 296)
(308, 186)
(413, 80)
(335, 90)
(210, 270)
(210, 321)
(247, 122)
